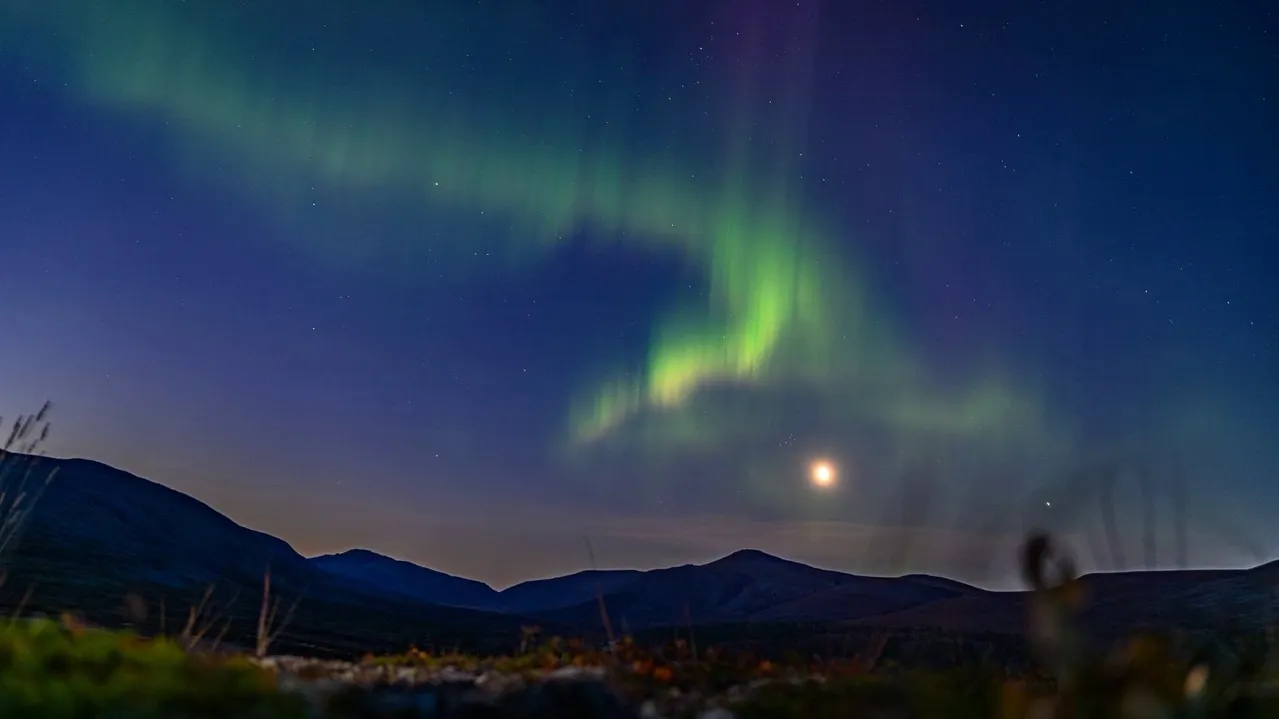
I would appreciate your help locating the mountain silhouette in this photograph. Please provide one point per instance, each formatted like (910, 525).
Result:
(746, 585)
(96, 534)
(410, 580)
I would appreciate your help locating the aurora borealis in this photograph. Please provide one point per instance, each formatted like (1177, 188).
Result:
(789, 288)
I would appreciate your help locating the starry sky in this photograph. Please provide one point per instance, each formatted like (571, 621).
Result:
(467, 282)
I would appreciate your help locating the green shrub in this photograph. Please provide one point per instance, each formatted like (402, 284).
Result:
(58, 671)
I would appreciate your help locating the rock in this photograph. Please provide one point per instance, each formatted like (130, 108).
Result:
(499, 683)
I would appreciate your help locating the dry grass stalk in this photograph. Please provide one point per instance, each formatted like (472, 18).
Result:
(599, 597)
(268, 628)
(26, 438)
(201, 619)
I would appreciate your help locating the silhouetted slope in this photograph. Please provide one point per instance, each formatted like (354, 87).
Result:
(396, 576)
(543, 595)
(149, 532)
(96, 535)
(749, 585)
(1116, 603)
(407, 579)
(745, 585)
(863, 597)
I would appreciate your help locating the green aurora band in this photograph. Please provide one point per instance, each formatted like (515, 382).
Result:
(785, 307)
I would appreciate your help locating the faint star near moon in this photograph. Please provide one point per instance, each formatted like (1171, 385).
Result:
(822, 474)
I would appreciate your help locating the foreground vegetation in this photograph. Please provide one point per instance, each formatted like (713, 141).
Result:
(61, 669)
(51, 669)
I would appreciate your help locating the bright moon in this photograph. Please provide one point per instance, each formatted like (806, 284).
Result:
(822, 473)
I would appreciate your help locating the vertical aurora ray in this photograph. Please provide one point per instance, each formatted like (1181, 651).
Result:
(784, 307)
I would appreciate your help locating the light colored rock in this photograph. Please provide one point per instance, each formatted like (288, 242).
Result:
(648, 710)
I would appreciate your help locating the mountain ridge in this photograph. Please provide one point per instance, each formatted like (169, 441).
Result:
(101, 542)
(587, 586)
(97, 534)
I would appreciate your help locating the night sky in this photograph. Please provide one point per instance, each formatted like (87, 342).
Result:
(466, 282)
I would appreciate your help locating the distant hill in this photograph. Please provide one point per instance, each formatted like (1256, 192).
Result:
(746, 585)
(1116, 603)
(547, 595)
(98, 534)
(406, 579)
(125, 526)
(750, 585)
(395, 576)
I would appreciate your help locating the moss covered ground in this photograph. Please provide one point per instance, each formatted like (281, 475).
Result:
(59, 669)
